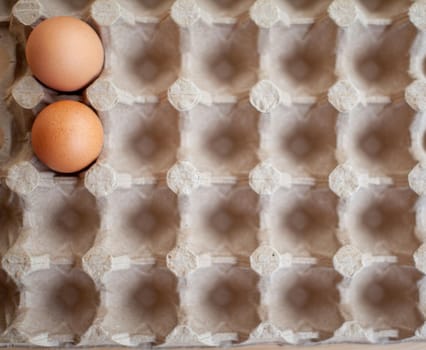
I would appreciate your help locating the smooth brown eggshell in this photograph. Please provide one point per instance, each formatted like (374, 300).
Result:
(67, 136)
(64, 53)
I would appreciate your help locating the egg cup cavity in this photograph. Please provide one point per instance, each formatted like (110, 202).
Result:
(226, 302)
(378, 65)
(378, 293)
(63, 302)
(219, 224)
(301, 140)
(147, 65)
(382, 222)
(222, 59)
(305, 300)
(149, 216)
(146, 301)
(147, 143)
(59, 226)
(304, 63)
(223, 139)
(376, 138)
(304, 222)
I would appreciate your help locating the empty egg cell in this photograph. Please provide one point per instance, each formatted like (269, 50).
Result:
(303, 221)
(63, 303)
(377, 138)
(10, 219)
(226, 8)
(223, 59)
(148, 61)
(146, 143)
(144, 300)
(147, 215)
(223, 219)
(9, 301)
(223, 138)
(386, 297)
(382, 221)
(222, 300)
(62, 220)
(305, 300)
(303, 63)
(302, 139)
(304, 8)
(376, 58)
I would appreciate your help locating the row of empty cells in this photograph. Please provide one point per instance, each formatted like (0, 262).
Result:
(150, 302)
(147, 219)
(233, 138)
(228, 59)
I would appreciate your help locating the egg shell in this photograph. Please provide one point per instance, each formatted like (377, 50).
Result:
(67, 136)
(64, 53)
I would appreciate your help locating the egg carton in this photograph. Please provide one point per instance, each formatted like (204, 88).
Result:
(263, 177)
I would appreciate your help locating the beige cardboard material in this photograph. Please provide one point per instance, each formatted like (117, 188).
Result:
(263, 177)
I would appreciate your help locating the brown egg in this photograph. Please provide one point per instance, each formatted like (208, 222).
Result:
(67, 136)
(64, 53)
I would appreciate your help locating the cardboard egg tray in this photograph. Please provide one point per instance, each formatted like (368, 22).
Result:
(263, 177)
